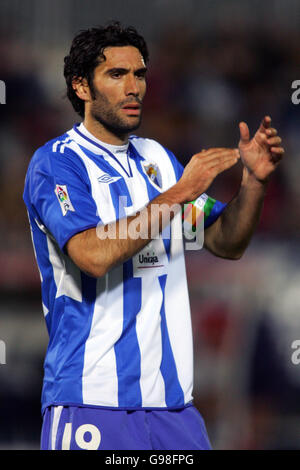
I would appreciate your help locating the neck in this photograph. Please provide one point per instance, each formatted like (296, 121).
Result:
(102, 133)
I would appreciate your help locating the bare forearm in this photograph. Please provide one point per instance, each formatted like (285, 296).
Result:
(113, 244)
(232, 232)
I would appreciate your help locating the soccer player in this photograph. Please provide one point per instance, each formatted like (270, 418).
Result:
(119, 364)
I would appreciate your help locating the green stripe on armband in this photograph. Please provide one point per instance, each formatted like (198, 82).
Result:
(193, 211)
(208, 207)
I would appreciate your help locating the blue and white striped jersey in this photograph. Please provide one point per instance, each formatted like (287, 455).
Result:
(124, 340)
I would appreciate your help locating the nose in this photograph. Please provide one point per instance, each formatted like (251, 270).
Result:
(131, 85)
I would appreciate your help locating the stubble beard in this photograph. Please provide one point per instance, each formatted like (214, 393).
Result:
(103, 112)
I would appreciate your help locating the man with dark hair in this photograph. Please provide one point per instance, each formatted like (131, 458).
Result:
(105, 213)
(87, 52)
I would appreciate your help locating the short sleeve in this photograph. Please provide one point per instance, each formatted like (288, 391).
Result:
(58, 193)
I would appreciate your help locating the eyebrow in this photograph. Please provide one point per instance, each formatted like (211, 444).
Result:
(124, 70)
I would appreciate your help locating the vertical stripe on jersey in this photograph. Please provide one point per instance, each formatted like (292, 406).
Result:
(174, 393)
(121, 205)
(99, 376)
(177, 300)
(152, 194)
(148, 328)
(127, 350)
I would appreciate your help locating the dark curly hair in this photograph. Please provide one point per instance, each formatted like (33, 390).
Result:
(87, 52)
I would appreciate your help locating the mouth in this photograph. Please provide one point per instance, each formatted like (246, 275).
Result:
(132, 109)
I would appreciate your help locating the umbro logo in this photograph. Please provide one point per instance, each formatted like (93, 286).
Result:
(106, 178)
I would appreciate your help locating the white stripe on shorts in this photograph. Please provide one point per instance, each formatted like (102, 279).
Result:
(55, 421)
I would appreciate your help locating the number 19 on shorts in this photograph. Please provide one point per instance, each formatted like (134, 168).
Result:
(87, 437)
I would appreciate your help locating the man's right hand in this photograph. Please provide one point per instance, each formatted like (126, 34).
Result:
(203, 168)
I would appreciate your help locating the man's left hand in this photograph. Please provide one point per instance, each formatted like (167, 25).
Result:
(261, 154)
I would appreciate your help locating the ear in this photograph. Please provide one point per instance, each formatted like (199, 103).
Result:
(81, 88)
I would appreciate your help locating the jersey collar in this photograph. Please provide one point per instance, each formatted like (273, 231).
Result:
(87, 138)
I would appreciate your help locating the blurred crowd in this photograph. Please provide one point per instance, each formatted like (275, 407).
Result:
(200, 86)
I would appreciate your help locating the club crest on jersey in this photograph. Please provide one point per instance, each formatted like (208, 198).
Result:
(153, 173)
(63, 198)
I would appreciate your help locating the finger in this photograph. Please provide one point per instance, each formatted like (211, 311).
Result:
(216, 159)
(225, 165)
(265, 124)
(271, 132)
(218, 166)
(244, 132)
(219, 161)
(212, 151)
(277, 150)
(212, 154)
(277, 154)
(274, 140)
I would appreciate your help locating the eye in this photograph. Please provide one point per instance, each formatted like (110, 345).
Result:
(115, 75)
(141, 75)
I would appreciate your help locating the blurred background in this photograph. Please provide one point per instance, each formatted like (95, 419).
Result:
(212, 64)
